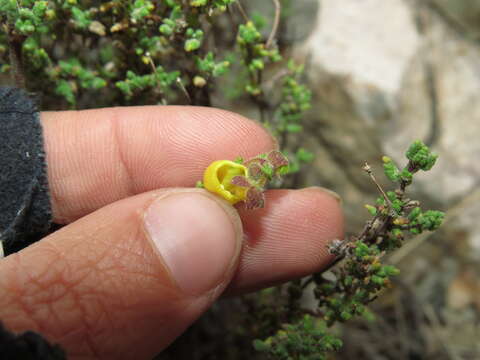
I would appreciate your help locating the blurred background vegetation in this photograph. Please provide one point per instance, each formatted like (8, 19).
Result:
(380, 73)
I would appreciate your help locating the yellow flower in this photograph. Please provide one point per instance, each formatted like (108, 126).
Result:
(218, 176)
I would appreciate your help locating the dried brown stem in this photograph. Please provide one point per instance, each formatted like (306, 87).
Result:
(242, 11)
(368, 170)
(276, 23)
(184, 90)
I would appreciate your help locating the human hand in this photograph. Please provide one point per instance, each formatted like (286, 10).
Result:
(143, 254)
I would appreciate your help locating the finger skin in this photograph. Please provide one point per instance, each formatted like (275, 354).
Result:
(76, 286)
(96, 157)
(97, 287)
(288, 238)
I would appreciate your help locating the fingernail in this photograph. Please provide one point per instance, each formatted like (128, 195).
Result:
(327, 191)
(195, 237)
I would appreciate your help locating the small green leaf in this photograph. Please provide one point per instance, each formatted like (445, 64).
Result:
(261, 346)
(371, 209)
(304, 155)
(192, 45)
(166, 29)
(390, 169)
(268, 170)
(406, 176)
(345, 315)
(414, 213)
(198, 3)
(294, 128)
(378, 280)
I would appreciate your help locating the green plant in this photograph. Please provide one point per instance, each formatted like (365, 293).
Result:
(358, 274)
(93, 53)
(80, 54)
(307, 339)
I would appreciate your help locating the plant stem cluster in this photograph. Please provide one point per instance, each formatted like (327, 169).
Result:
(80, 54)
(126, 51)
(358, 274)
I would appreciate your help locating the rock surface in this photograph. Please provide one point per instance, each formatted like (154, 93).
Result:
(385, 73)
(360, 40)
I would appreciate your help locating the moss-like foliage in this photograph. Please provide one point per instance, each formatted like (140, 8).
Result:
(358, 275)
(81, 54)
(307, 340)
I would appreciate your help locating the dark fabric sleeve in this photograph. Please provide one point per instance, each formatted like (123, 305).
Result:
(25, 211)
(27, 346)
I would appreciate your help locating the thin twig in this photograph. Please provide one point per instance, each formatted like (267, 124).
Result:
(368, 226)
(150, 61)
(307, 282)
(179, 81)
(272, 82)
(368, 170)
(184, 90)
(242, 11)
(378, 224)
(276, 23)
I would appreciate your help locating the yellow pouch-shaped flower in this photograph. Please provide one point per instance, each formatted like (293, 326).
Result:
(217, 178)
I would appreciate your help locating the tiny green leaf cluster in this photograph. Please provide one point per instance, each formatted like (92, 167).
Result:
(359, 274)
(153, 52)
(194, 39)
(296, 100)
(297, 159)
(307, 340)
(116, 53)
(160, 80)
(420, 156)
(28, 18)
(71, 69)
(356, 284)
(255, 55)
(140, 9)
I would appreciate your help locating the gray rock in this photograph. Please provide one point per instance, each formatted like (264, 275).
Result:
(356, 69)
(385, 73)
(361, 40)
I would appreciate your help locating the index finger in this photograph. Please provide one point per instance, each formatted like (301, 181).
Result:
(96, 157)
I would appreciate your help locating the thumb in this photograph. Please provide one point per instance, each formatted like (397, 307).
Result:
(124, 281)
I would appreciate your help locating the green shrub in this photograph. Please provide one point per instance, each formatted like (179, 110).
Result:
(81, 54)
